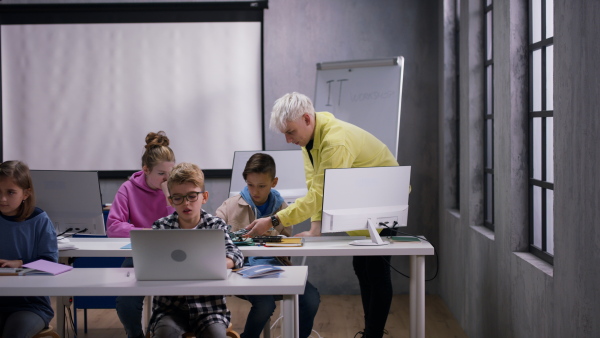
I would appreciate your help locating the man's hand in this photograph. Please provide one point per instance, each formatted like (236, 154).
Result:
(315, 230)
(4, 263)
(258, 227)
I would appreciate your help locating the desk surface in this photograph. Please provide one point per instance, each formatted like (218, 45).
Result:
(115, 282)
(111, 247)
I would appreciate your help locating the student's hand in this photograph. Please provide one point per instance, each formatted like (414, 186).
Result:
(165, 189)
(315, 230)
(4, 263)
(258, 227)
(229, 263)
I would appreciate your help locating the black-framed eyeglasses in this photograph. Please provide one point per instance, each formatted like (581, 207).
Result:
(191, 197)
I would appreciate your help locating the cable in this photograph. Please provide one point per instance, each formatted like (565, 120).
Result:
(71, 320)
(76, 232)
(396, 230)
(64, 232)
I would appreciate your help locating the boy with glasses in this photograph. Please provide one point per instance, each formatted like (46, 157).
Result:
(206, 316)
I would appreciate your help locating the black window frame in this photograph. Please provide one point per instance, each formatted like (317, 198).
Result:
(488, 118)
(544, 113)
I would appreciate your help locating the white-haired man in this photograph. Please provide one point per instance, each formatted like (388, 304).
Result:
(331, 143)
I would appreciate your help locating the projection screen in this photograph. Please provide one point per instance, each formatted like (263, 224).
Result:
(83, 96)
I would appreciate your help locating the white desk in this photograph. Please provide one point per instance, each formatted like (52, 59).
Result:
(116, 282)
(111, 247)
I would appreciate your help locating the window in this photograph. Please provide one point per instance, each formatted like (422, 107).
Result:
(488, 117)
(541, 147)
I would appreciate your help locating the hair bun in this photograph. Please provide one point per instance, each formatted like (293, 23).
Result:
(159, 139)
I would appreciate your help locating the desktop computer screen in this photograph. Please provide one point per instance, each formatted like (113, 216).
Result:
(365, 199)
(72, 200)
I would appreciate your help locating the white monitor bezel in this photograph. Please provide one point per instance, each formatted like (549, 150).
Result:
(362, 198)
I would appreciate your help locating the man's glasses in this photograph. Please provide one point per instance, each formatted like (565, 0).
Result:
(191, 197)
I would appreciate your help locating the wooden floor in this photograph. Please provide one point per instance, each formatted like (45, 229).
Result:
(338, 317)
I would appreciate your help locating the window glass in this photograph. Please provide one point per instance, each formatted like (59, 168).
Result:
(550, 78)
(550, 221)
(537, 216)
(536, 21)
(488, 30)
(489, 78)
(537, 148)
(537, 80)
(549, 18)
(549, 149)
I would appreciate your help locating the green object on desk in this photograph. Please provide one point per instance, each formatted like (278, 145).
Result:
(244, 243)
(405, 239)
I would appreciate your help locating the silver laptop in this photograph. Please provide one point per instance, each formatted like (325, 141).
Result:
(179, 254)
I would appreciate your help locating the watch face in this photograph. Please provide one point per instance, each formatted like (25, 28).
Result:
(275, 221)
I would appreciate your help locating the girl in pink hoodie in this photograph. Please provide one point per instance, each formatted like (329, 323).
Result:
(138, 203)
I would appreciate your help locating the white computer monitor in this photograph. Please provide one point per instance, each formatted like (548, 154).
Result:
(72, 200)
(290, 171)
(363, 198)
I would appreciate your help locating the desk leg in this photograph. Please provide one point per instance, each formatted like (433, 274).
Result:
(61, 302)
(291, 322)
(417, 296)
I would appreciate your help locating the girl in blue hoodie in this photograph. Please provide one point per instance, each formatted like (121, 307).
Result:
(27, 235)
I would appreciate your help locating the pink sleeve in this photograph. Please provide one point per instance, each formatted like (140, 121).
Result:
(117, 224)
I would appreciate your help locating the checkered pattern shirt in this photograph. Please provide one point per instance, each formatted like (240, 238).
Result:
(198, 311)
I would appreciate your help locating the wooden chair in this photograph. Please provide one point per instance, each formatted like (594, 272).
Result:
(47, 332)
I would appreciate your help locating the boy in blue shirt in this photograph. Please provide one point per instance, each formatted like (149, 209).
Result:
(259, 199)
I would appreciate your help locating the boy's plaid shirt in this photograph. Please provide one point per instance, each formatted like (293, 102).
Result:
(198, 311)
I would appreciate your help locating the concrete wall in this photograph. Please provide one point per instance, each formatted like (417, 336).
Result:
(492, 285)
(577, 183)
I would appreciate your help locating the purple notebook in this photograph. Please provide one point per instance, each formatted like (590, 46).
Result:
(46, 267)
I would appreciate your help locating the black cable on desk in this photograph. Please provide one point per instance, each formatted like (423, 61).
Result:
(64, 232)
(76, 232)
(437, 262)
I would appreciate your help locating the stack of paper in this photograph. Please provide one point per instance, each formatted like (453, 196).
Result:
(260, 271)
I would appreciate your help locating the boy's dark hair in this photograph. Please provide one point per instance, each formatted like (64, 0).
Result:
(260, 163)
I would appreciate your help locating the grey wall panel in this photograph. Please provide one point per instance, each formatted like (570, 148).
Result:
(577, 159)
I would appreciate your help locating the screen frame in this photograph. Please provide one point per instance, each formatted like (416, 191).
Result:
(62, 192)
(357, 194)
(19, 13)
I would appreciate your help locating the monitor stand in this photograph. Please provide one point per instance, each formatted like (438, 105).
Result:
(375, 238)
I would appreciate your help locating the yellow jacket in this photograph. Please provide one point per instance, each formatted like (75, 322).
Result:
(336, 144)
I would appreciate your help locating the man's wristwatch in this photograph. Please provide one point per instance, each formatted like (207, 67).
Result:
(274, 221)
